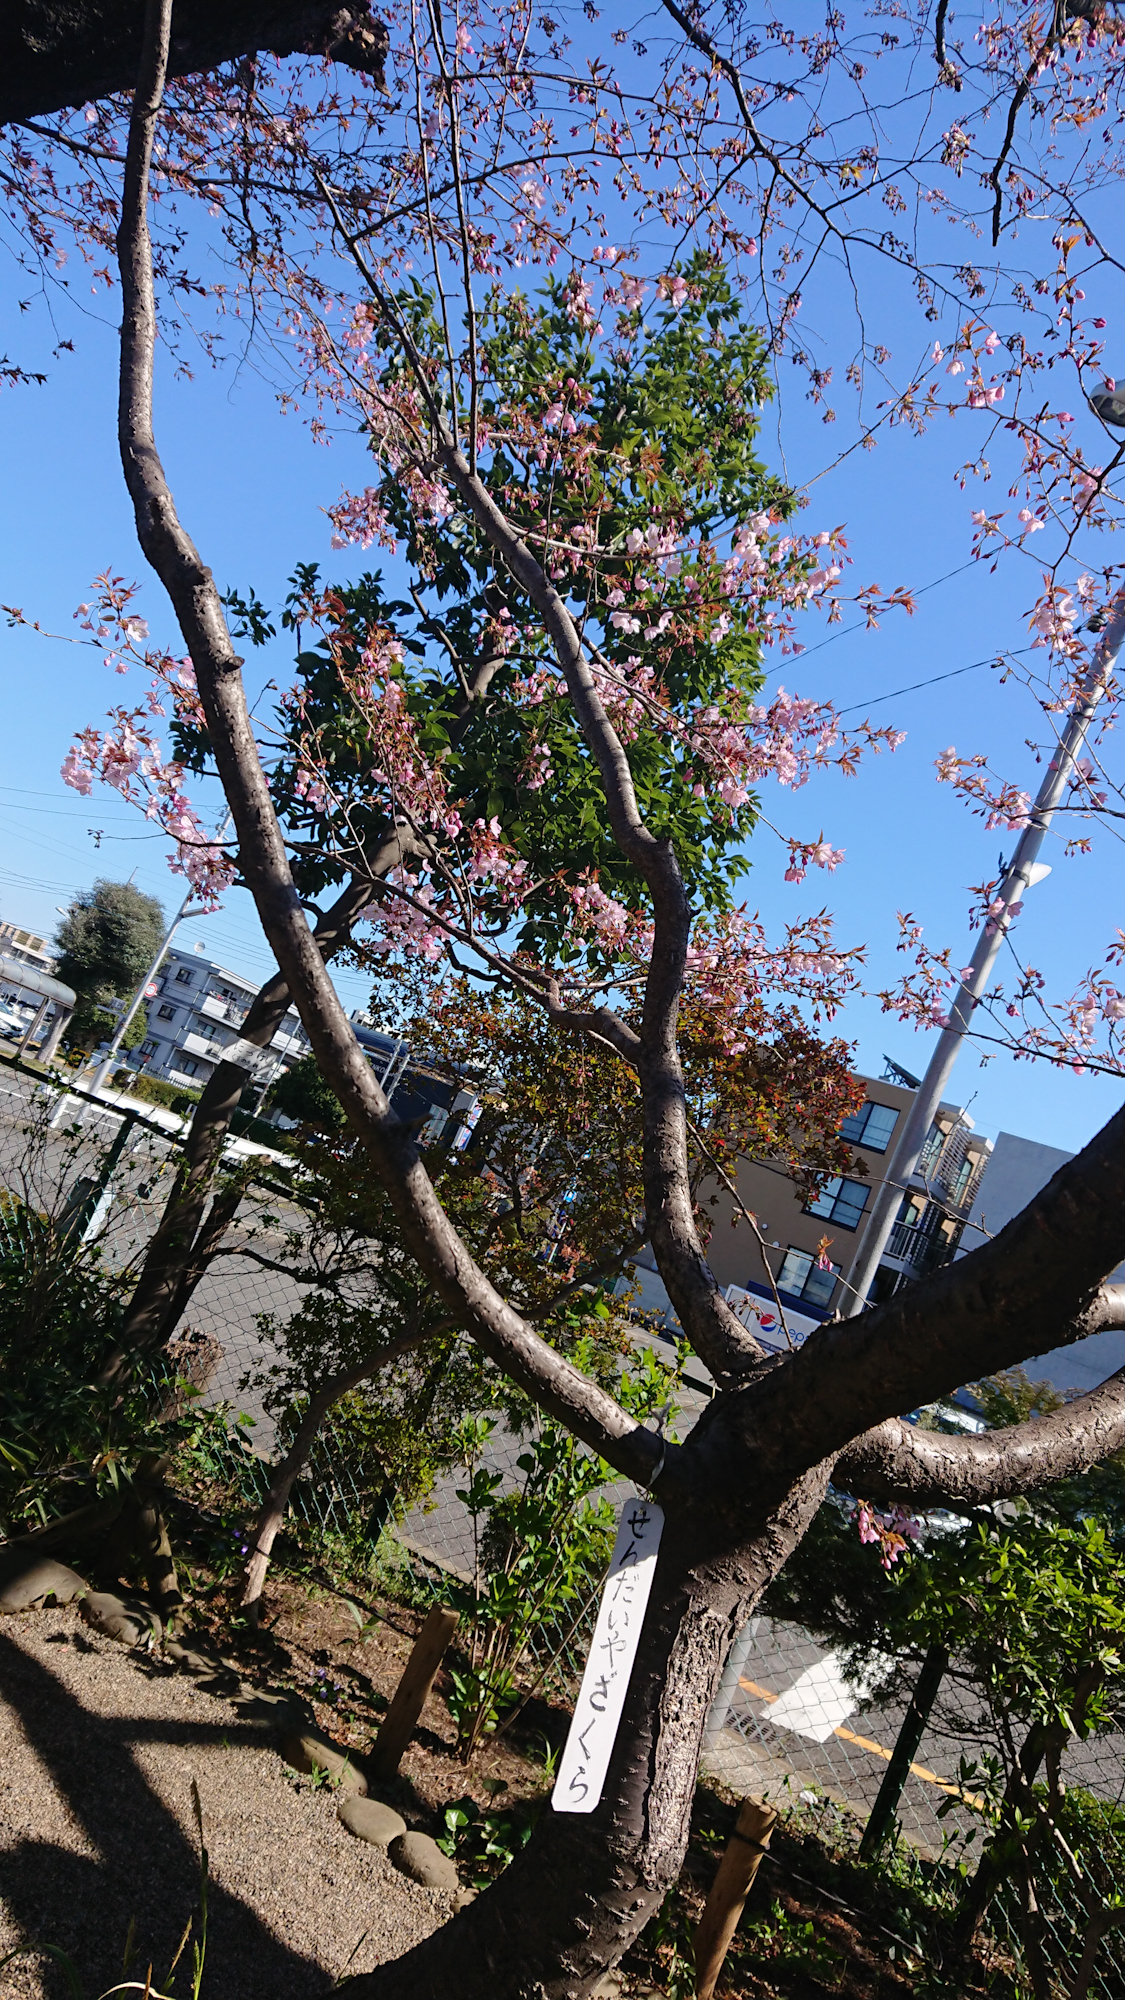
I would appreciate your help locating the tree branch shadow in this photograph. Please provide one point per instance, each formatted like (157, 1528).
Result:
(147, 1867)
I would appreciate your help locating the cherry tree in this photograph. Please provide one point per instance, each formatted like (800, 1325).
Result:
(613, 612)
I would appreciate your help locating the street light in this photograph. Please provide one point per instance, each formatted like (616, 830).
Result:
(143, 991)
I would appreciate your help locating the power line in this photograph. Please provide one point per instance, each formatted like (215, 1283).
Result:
(993, 659)
(861, 624)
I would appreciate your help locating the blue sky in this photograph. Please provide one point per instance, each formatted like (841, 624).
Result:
(251, 485)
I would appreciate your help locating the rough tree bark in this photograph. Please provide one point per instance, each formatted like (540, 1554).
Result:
(740, 1492)
(55, 54)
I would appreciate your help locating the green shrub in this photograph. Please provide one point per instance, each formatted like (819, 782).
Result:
(154, 1090)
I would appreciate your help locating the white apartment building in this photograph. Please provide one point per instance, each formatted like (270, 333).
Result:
(24, 945)
(195, 1017)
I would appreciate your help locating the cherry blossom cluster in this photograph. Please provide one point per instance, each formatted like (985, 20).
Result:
(1002, 804)
(360, 518)
(890, 1530)
(731, 965)
(127, 757)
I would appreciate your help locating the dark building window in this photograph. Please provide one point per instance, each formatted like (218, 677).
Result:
(800, 1278)
(165, 1013)
(184, 975)
(871, 1127)
(841, 1202)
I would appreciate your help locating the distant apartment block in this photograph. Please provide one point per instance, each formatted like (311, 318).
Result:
(1017, 1170)
(195, 1017)
(24, 945)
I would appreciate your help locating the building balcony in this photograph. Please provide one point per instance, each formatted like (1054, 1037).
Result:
(290, 1041)
(201, 1045)
(218, 1009)
(918, 1249)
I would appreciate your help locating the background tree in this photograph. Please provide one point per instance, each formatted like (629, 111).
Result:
(105, 943)
(549, 1196)
(302, 1095)
(1031, 1612)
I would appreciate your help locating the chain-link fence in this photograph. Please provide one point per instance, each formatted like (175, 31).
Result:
(790, 1721)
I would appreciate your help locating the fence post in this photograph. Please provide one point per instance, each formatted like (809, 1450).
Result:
(729, 1891)
(727, 1692)
(904, 1752)
(410, 1694)
(86, 1194)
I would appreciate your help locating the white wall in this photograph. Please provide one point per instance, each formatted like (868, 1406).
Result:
(1015, 1173)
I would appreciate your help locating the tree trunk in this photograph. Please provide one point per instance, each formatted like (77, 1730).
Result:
(55, 53)
(587, 1884)
(281, 1485)
(277, 1499)
(174, 1261)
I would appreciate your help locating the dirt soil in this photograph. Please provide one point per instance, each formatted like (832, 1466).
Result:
(98, 1751)
(312, 1642)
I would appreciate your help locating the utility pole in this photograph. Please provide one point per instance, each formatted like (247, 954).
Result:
(1022, 873)
(127, 1019)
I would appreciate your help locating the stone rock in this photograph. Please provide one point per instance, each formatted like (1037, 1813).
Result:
(307, 1750)
(118, 1617)
(370, 1819)
(31, 1579)
(416, 1855)
(463, 1898)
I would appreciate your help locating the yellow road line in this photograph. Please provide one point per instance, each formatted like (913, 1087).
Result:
(876, 1750)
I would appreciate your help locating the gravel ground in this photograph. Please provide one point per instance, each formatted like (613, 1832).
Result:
(98, 1749)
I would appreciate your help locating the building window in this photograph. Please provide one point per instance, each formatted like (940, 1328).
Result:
(871, 1127)
(931, 1151)
(187, 1066)
(184, 975)
(800, 1278)
(841, 1202)
(165, 1013)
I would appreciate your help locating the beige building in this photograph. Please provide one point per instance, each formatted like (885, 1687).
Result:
(25, 946)
(936, 1204)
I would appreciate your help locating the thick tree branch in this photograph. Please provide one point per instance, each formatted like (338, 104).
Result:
(1038, 1285)
(55, 54)
(504, 1335)
(925, 1469)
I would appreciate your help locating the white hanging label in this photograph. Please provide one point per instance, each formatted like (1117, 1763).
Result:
(613, 1648)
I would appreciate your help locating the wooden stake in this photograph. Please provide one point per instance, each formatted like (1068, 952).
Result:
(410, 1695)
(729, 1891)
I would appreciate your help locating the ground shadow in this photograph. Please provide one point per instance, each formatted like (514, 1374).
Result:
(146, 1866)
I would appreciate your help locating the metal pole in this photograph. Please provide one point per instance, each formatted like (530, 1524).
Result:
(80, 1208)
(126, 1021)
(726, 1694)
(1021, 874)
(904, 1752)
(30, 1032)
(51, 1044)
